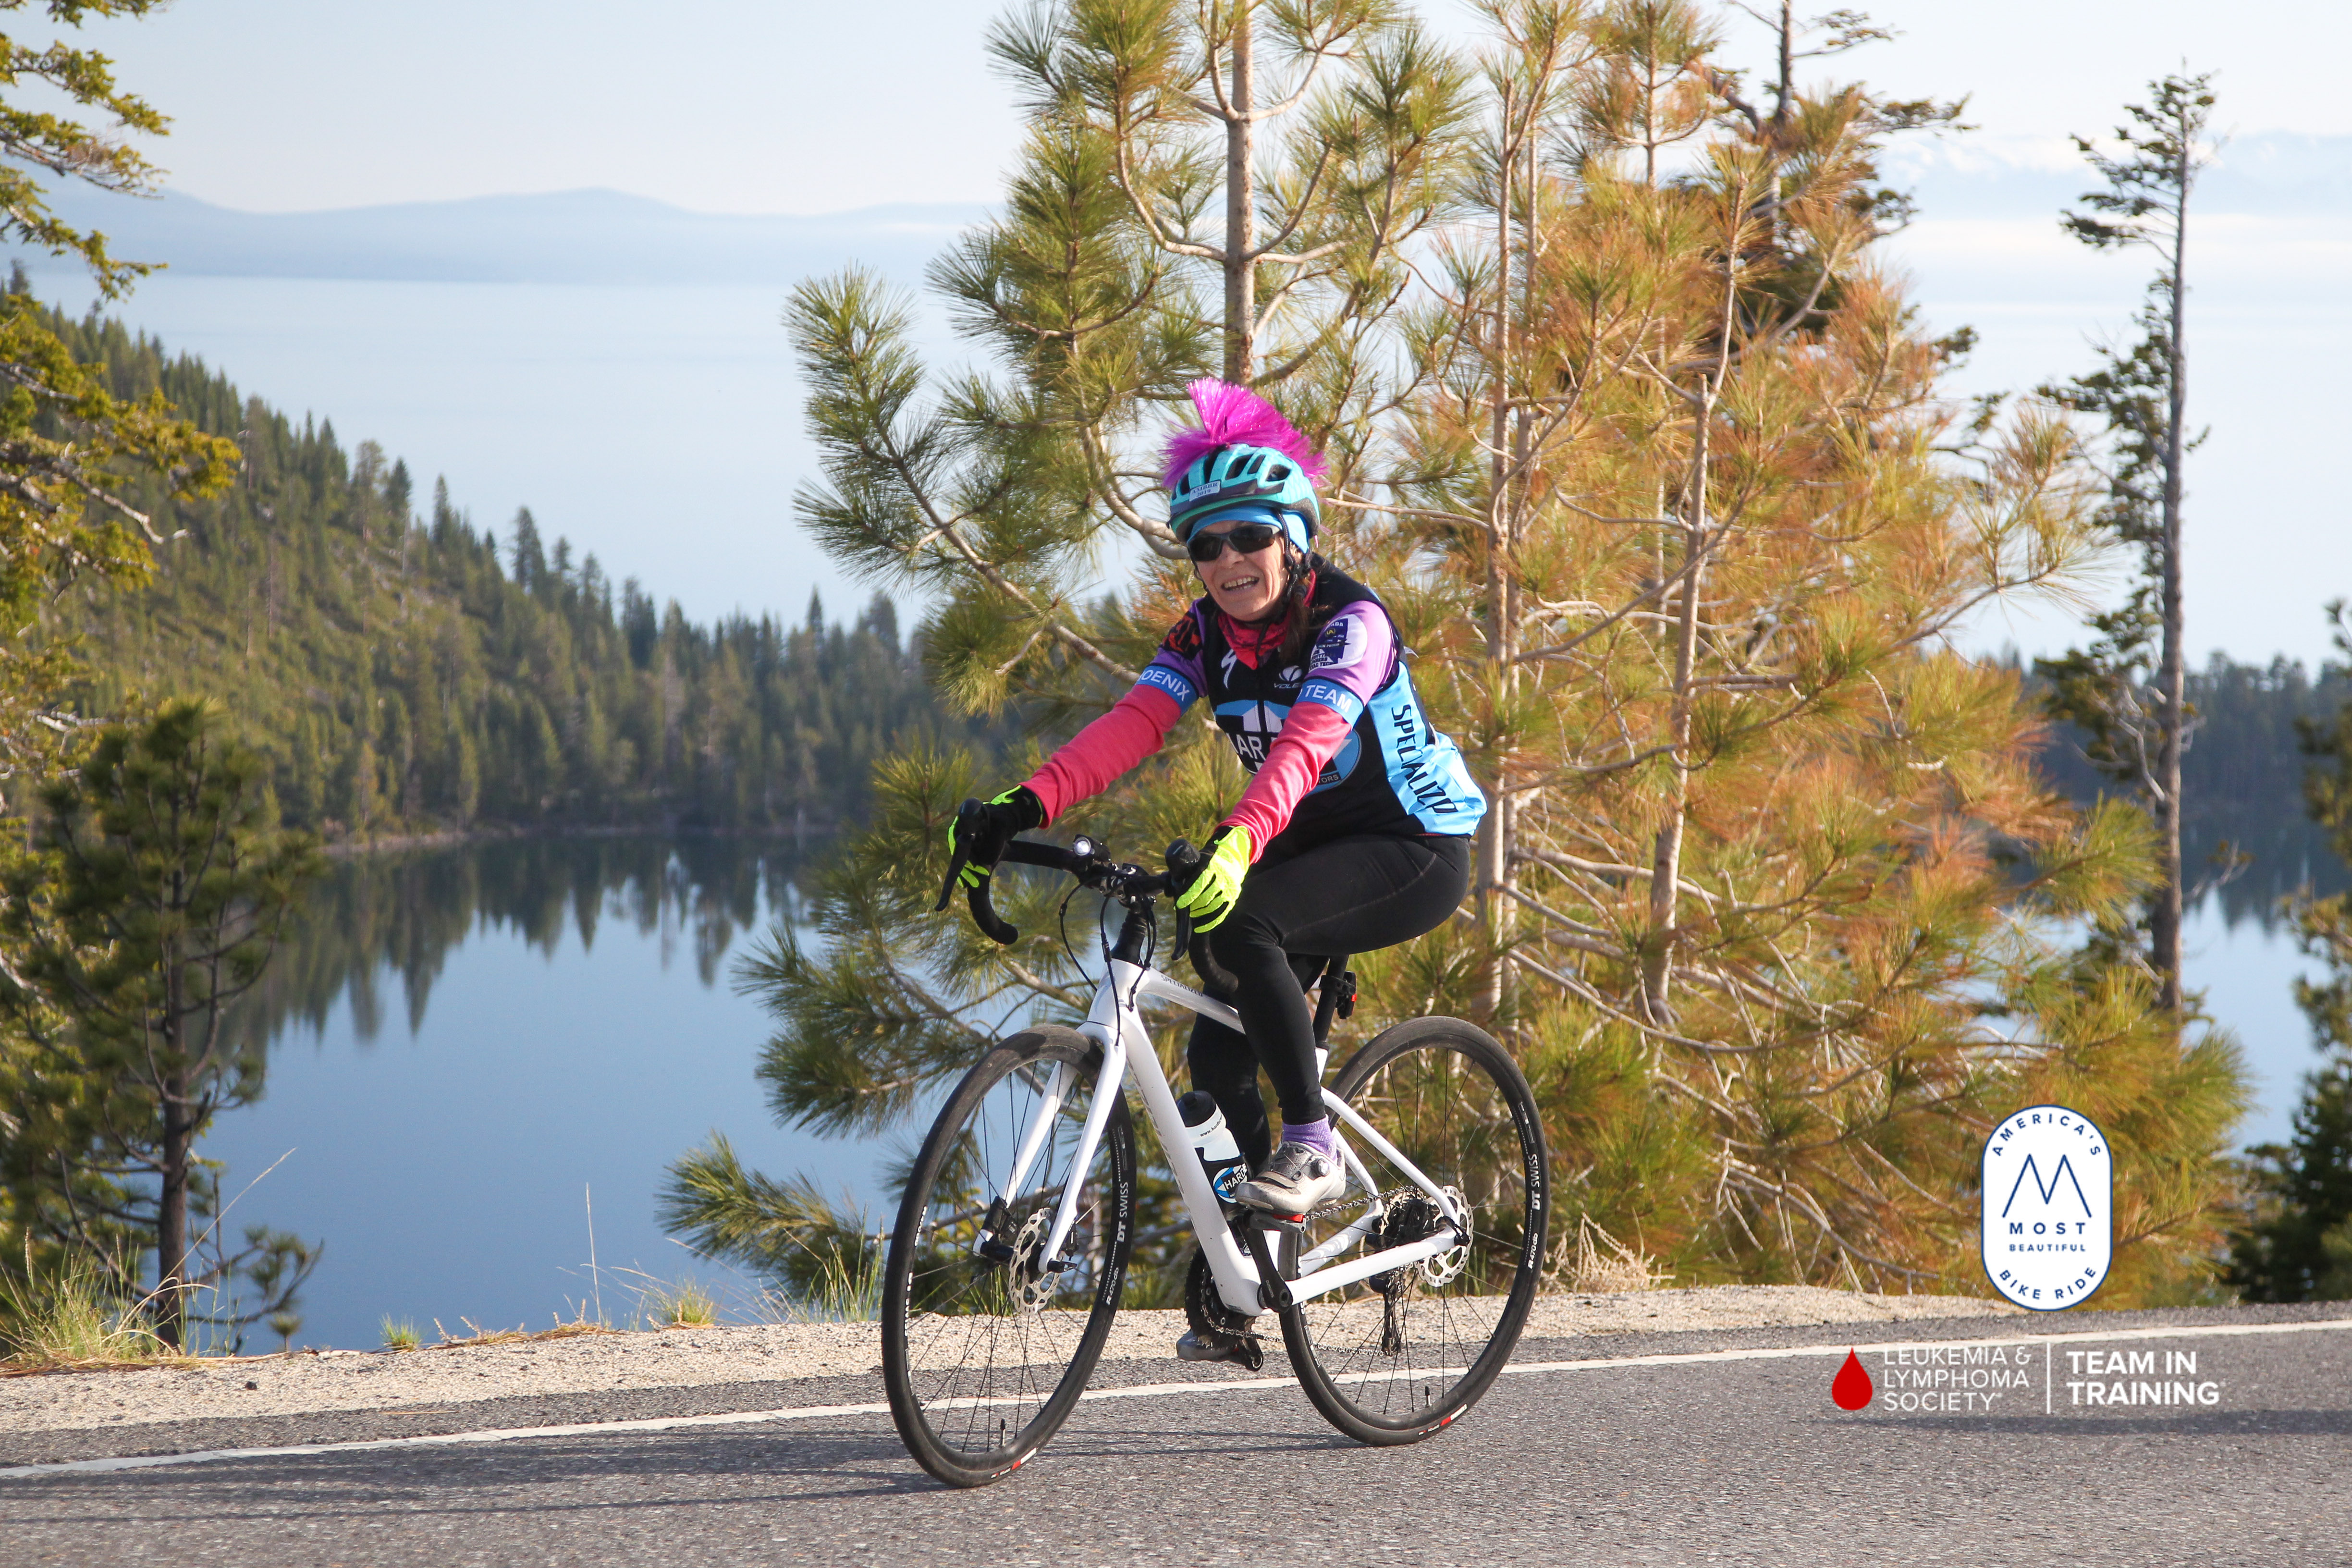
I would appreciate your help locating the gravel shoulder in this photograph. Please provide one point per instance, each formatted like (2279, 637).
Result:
(767, 1354)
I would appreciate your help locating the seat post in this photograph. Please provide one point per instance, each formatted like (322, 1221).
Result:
(1337, 997)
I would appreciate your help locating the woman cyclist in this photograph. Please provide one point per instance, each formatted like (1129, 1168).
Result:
(1353, 834)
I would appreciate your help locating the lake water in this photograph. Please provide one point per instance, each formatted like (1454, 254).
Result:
(657, 428)
(470, 1046)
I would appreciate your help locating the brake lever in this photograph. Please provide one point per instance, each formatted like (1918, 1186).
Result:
(960, 860)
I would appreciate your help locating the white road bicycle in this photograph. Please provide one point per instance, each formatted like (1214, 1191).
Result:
(1398, 1303)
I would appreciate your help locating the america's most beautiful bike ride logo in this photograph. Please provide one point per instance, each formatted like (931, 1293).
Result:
(2049, 1207)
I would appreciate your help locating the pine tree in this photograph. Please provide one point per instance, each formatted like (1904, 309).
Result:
(162, 887)
(2297, 1245)
(69, 449)
(1224, 188)
(1700, 542)
(2126, 691)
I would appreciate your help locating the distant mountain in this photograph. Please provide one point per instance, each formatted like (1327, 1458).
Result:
(2270, 174)
(608, 237)
(563, 236)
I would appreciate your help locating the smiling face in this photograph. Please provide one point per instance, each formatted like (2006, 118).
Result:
(1246, 588)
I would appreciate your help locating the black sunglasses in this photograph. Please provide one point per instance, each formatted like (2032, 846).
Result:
(1247, 539)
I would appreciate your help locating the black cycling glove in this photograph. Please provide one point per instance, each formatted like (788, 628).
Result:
(1013, 813)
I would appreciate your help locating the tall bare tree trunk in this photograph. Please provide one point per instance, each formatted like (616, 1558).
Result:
(171, 1214)
(1493, 842)
(1499, 523)
(1667, 864)
(1241, 207)
(1787, 86)
(2164, 920)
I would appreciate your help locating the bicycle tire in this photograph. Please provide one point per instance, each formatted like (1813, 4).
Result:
(1396, 1359)
(984, 1359)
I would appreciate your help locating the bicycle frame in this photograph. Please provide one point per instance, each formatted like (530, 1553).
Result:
(1115, 1023)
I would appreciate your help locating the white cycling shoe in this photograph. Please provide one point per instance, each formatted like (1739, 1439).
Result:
(1296, 1180)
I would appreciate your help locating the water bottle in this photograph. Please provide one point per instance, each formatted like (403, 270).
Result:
(1212, 1140)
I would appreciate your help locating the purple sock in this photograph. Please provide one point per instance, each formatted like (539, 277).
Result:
(1315, 1134)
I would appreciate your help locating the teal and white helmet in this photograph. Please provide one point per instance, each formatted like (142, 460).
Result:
(1246, 460)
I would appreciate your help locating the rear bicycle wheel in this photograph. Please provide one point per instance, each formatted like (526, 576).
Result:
(1395, 1358)
(986, 1342)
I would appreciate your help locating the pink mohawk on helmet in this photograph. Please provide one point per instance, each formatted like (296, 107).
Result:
(1236, 416)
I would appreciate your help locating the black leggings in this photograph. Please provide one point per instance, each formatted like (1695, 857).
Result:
(1349, 896)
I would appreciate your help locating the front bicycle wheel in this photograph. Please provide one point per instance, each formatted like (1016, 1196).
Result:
(986, 1341)
(1402, 1354)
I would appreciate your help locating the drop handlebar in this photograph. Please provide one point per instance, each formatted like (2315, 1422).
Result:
(1094, 868)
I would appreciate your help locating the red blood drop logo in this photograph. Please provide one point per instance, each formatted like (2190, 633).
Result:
(1850, 1388)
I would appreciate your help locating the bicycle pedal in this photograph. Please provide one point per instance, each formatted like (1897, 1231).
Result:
(1245, 1351)
(1197, 1346)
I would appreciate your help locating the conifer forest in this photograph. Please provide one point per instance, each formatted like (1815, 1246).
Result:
(406, 672)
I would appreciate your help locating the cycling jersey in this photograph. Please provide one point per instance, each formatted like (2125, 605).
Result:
(1337, 745)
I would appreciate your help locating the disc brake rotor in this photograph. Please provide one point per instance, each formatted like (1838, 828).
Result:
(1033, 1287)
(1443, 1269)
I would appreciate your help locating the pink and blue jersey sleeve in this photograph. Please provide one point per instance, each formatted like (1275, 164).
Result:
(1134, 728)
(1354, 656)
(1176, 667)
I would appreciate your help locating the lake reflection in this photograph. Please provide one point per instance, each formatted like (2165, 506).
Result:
(568, 1027)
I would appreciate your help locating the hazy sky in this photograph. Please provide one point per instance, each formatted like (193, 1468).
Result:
(795, 106)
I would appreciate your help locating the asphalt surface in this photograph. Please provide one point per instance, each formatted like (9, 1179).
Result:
(1729, 1461)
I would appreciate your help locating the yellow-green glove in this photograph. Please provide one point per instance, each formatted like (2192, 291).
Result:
(1014, 811)
(1209, 897)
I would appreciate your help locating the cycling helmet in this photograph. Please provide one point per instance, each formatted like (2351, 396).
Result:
(1244, 458)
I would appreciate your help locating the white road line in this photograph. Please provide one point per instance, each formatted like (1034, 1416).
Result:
(1138, 1390)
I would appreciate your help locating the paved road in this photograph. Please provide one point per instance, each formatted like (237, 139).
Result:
(1717, 1462)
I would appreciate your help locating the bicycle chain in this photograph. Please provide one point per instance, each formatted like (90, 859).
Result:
(1342, 1205)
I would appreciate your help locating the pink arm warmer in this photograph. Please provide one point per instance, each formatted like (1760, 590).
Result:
(1106, 748)
(1311, 736)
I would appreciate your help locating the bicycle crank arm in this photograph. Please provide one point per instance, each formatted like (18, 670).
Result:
(1273, 1289)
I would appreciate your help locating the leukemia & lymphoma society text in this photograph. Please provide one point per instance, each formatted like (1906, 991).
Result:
(1954, 1379)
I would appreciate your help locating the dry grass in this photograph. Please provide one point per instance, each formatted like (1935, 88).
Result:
(684, 1304)
(1603, 1263)
(70, 1322)
(476, 1334)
